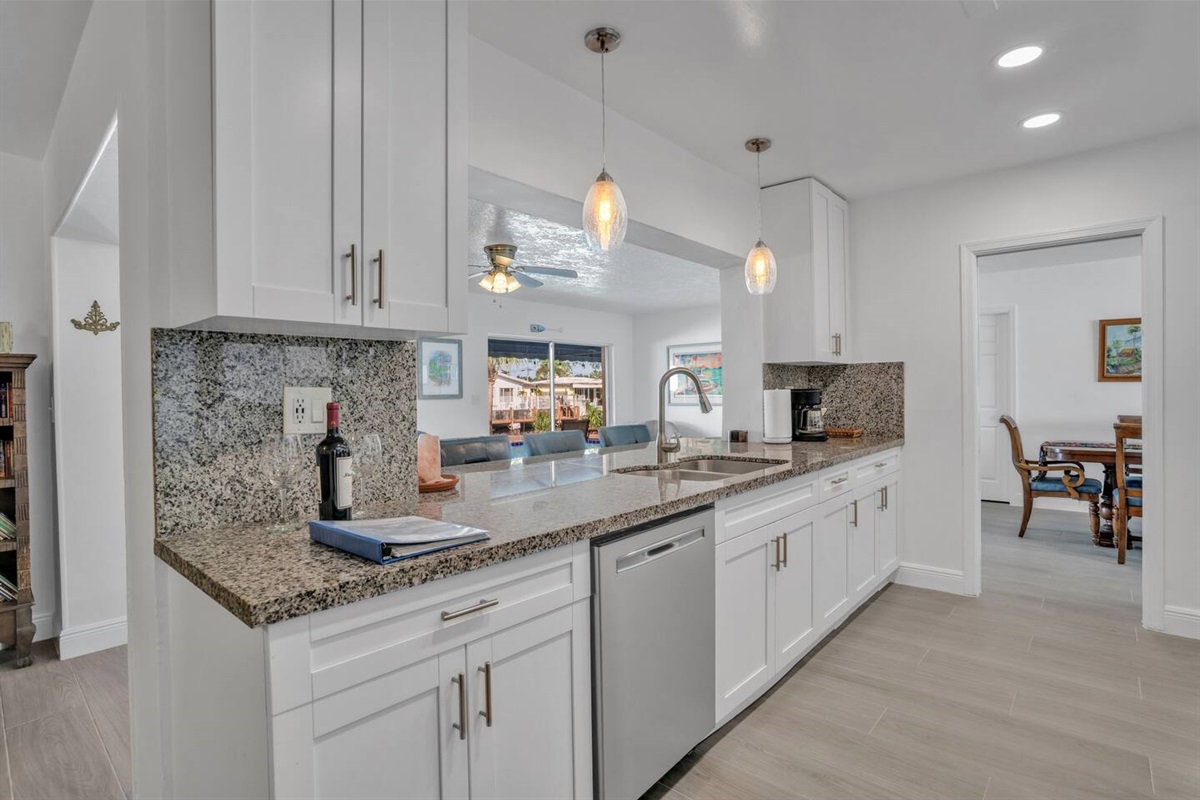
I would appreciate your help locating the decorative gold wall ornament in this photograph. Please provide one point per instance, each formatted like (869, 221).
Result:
(95, 321)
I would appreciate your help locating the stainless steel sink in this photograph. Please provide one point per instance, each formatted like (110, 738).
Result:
(677, 474)
(728, 466)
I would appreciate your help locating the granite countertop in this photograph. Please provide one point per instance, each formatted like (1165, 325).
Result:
(266, 574)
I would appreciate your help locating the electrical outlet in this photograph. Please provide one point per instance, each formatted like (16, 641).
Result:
(304, 408)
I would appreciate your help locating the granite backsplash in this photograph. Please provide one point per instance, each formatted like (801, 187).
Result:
(869, 396)
(218, 420)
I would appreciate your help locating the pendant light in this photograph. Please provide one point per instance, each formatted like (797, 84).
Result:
(604, 213)
(760, 262)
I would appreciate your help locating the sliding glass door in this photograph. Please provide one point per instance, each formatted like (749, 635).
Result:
(544, 386)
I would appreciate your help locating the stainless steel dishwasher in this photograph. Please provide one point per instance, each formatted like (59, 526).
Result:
(653, 650)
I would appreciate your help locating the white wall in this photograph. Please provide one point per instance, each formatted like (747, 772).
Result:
(25, 302)
(120, 69)
(91, 520)
(653, 333)
(743, 353)
(512, 318)
(905, 294)
(1058, 396)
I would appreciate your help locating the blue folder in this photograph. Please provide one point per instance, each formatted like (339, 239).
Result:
(387, 540)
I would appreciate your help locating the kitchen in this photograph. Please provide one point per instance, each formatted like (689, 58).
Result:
(310, 241)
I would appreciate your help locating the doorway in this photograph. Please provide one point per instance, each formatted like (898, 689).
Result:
(87, 418)
(1149, 234)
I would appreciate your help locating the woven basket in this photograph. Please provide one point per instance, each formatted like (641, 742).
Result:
(844, 433)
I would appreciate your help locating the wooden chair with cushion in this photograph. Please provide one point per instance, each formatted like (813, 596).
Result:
(1127, 495)
(1037, 482)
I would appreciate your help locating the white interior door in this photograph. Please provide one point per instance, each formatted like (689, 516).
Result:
(995, 399)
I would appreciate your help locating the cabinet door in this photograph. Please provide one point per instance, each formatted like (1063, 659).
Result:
(830, 573)
(794, 630)
(887, 527)
(829, 238)
(405, 718)
(864, 505)
(745, 617)
(414, 164)
(285, 142)
(524, 730)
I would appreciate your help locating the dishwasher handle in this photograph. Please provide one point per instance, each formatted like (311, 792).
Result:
(659, 549)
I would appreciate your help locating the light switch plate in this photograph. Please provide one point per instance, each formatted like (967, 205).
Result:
(304, 408)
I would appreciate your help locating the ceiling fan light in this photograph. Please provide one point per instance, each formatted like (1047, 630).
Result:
(605, 217)
(486, 281)
(760, 269)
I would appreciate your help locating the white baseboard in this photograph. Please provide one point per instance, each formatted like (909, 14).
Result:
(92, 638)
(1181, 621)
(46, 627)
(936, 578)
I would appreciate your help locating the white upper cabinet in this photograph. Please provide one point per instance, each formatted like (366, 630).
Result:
(805, 319)
(338, 168)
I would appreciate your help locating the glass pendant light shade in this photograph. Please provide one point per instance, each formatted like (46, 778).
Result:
(760, 269)
(604, 215)
(499, 282)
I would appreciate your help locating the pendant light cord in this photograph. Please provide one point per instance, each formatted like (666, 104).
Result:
(758, 184)
(603, 120)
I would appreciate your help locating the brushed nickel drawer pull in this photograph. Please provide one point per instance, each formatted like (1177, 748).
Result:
(462, 612)
(486, 669)
(881, 465)
(855, 521)
(842, 479)
(353, 256)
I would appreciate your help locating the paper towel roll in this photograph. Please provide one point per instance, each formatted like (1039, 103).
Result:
(777, 416)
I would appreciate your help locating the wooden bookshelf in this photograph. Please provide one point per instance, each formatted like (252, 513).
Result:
(16, 616)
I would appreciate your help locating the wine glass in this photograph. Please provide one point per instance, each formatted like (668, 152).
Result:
(282, 461)
(366, 453)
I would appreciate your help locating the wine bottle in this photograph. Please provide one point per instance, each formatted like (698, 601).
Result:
(334, 466)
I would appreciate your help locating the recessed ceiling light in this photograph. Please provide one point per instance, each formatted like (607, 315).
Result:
(1041, 120)
(1019, 56)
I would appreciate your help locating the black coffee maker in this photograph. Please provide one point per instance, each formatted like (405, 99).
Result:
(808, 417)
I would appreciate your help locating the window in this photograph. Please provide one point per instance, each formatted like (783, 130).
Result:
(526, 394)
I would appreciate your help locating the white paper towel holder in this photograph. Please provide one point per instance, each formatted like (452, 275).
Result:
(777, 416)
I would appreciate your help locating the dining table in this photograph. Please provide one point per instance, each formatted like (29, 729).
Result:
(1104, 454)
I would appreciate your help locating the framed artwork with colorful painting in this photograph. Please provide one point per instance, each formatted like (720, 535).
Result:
(439, 367)
(705, 361)
(1120, 349)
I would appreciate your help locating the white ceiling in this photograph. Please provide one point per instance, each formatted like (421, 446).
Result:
(870, 96)
(1063, 255)
(631, 280)
(38, 40)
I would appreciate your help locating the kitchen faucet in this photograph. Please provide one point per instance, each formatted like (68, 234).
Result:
(671, 445)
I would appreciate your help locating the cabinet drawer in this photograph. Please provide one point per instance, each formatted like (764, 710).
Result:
(752, 510)
(876, 466)
(835, 481)
(362, 641)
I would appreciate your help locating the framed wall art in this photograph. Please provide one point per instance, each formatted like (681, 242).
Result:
(439, 369)
(703, 359)
(1120, 350)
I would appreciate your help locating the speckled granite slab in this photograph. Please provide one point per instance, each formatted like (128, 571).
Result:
(218, 397)
(264, 575)
(869, 396)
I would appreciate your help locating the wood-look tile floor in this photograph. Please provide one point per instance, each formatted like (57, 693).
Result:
(65, 727)
(1046, 686)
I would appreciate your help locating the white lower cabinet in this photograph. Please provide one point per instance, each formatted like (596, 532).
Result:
(785, 584)
(475, 686)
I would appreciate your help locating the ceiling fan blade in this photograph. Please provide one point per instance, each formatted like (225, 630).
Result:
(532, 283)
(481, 273)
(562, 273)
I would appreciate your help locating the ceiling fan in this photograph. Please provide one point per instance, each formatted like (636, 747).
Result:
(501, 276)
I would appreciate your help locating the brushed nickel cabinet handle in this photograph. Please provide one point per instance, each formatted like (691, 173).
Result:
(784, 540)
(486, 669)
(842, 479)
(885, 498)
(854, 522)
(461, 725)
(882, 499)
(881, 465)
(379, 260)
(778, 559)
(462, 612)
(353, 256)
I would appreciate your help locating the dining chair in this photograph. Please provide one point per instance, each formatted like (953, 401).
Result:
(542, 444)
(1127, 495)
(616, 435)
(475, 450)
(1037, 482)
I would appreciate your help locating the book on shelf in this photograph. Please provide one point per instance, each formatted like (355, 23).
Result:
(8, 589)
(3, 400)
(8, 528)
(6, 458)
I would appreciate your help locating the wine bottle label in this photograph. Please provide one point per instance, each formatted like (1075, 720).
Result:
(343, 498)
